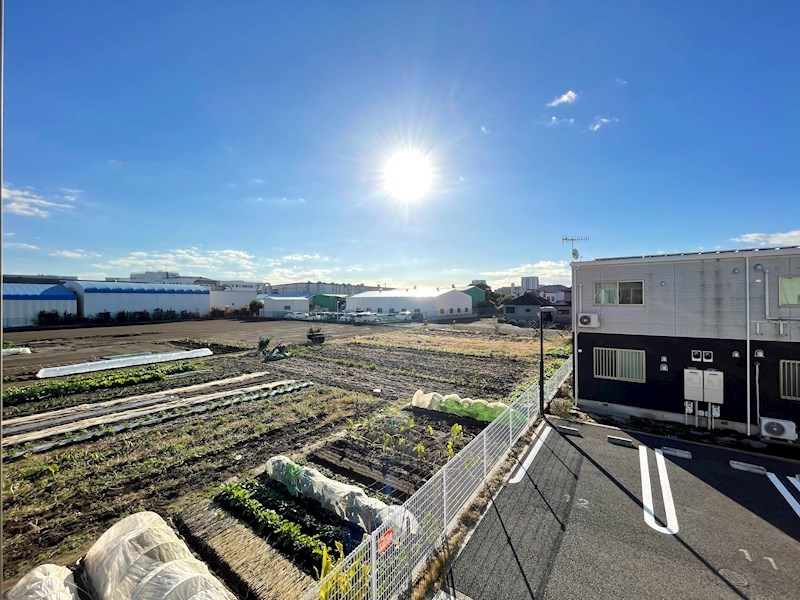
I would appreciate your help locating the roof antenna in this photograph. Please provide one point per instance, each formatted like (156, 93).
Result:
(572, 239)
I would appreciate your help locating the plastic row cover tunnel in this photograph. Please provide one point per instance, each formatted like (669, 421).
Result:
(45, 582)
(141, 558)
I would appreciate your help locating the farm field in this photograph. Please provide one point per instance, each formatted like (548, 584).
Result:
(57, 502)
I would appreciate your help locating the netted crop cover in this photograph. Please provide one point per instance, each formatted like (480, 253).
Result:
(348, 501)
(141, 558)
(45, 582)
(453, 404)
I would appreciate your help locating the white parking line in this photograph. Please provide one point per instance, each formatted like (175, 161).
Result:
(795, 481)
(521, 471)
(647, 493)
(785, 493)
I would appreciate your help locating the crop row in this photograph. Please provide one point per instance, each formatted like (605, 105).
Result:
(76, 385)
(284, 535)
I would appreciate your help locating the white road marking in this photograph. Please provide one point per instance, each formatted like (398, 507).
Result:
(647, 493)
(746, 554)
(785, 493)
(521, 472)
(795, 481)
(772, 562)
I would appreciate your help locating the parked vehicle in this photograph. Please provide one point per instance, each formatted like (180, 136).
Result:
(403, 315)
(365, 318)
(297, 315)
(346, 318)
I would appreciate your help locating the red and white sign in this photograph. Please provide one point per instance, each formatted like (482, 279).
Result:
(384, 542)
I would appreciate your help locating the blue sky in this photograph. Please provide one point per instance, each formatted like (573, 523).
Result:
(247, 139)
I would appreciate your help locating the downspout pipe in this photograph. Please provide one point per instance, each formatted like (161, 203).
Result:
(747, 332)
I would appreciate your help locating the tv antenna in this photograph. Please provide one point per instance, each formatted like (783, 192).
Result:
(572, 239)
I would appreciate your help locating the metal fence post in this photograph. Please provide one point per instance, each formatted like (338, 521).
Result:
(373, 572)
(510, 427)
(444, 499)
(483, 434)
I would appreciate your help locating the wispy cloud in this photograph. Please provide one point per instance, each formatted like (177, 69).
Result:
(548, 271)
(30, 204)
(565, 98)
(305, 257)
(20, 246)
(226, 264)
(283, 202)
(787, 238)
(290, 274)
(600, 122)
(8, 234)
(70, 194)
(113, 163)
(77, 253)
(554, 122)
(620, 81)
(485, 130)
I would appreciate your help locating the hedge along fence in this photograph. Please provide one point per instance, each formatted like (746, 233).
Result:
(387, 563)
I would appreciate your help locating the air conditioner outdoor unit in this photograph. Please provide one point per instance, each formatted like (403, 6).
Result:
(589, 320)
(778, 428)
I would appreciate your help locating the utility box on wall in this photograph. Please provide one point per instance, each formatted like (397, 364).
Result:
(693, 385)
(713, 386)
(703, 386)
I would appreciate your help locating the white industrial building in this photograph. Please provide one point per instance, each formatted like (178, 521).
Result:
(231, 298)
(430, 302)
(106, 296)
(276, 306)
(22, 302)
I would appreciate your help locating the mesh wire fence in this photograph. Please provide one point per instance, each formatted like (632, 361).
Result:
(386, 563)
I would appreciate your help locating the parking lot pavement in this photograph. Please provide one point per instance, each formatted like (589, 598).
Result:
(657, 518)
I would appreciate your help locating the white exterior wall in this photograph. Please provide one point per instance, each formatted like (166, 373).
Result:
(427, 305)
(701, 298)
(278, 305)
(21, 313)
(231, 298)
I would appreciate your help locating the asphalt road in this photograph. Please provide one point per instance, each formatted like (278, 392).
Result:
(576, 524)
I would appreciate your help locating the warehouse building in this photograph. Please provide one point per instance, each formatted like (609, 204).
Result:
(22, 303)
(276, 305)
(710, 339)
(109, 297)
(435, 303)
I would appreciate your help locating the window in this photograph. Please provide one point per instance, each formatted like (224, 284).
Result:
(287, 307)
(391, 310)
(458, 309)
(527, 310)
(790, 379)
(417, 310)
(380, 310)
(441, 311)
(620, 364)
(510, 310)
(619, 292)
(789, 291)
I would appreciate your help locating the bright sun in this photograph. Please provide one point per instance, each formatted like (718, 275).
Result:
(407, 175)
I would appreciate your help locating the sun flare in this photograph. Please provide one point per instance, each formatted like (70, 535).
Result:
(408, 175)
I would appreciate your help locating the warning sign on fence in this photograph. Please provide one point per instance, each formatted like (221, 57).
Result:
(384, 541)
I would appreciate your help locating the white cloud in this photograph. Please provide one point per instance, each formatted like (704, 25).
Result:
(257, 181)
(305, 257)
(620, 81)
(279, 202)
(77, 253)
(113, 163)
(554, 122)
(70, 194)
(485, 130)
(601, 121)
(566, 98)
(27, 203)
(548, 272)
(227, 264)
(20, 246)
(788, 238)
(8, 234)
(289, 274)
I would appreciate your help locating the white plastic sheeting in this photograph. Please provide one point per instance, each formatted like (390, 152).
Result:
(117, 363)
(13, 351)
(141, 558)
(348, 501)
(480, 410)
(45, 582)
